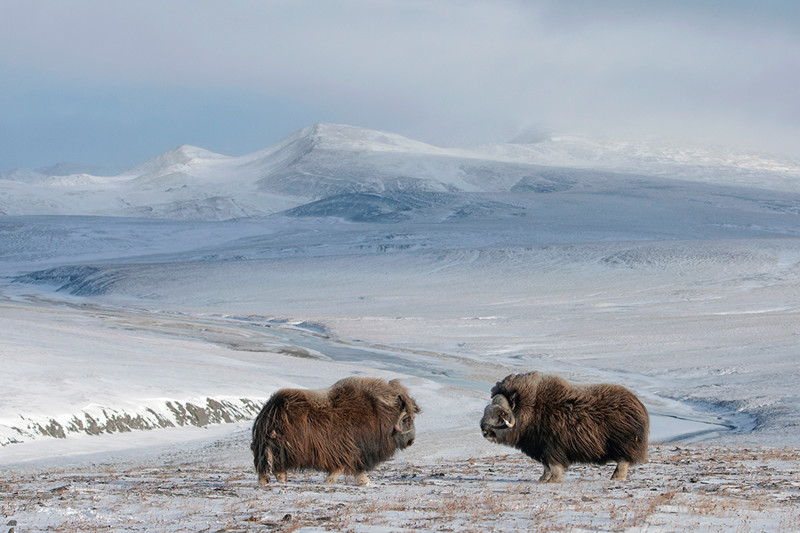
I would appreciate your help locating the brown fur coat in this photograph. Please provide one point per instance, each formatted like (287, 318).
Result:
(559, 423)
(348, 428)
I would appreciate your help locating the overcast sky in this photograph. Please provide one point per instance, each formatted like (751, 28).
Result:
(117, 82)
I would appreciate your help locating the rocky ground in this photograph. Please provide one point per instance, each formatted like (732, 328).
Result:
(681, 488)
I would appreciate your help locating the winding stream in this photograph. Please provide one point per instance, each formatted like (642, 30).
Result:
(671, 421)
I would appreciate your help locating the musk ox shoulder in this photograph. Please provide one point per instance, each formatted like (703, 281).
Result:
(348, 428)
(559, 423)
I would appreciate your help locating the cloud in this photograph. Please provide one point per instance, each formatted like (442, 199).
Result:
(446, 70)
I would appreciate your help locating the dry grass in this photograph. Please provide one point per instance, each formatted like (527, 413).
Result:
(713, 488)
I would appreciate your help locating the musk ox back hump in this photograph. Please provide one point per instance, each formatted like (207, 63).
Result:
(348, 428)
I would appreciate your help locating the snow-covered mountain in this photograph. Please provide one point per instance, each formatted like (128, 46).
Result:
(331, 169)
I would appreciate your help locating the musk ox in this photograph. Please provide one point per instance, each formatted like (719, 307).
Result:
(348, 428)
(559, 423)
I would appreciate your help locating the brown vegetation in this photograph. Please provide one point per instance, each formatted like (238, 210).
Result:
(702, 487)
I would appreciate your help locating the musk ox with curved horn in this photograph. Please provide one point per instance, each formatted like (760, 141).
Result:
(348, 428)
(559, 423)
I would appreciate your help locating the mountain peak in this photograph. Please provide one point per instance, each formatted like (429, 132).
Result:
(328, 136)
(179, 155)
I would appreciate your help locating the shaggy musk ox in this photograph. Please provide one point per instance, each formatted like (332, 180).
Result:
(348, 428)
(559, 423)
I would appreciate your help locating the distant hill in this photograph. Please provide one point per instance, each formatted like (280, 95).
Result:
(360, 174)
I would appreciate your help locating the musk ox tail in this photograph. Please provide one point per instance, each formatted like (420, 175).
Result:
(263, 458)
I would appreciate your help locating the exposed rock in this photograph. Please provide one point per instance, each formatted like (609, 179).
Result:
(175, 413)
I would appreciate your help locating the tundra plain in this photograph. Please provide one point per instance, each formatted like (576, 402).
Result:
(137, 351)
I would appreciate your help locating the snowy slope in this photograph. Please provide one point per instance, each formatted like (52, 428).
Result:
(684, 304)
(328, 160)
(704, 163)
(381, 255)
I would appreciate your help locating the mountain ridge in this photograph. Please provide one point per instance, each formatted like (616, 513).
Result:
(327, 160)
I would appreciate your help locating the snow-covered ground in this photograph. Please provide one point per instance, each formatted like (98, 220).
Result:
(135, 352)
(209, 487)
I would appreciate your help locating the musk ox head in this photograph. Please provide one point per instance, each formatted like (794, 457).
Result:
(498, 419)
(404, 431)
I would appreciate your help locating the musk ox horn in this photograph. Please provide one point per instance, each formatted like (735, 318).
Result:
(398, 427)
(408, 407)
(502, 402)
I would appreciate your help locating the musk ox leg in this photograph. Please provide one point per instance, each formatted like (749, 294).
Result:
(621, 472)
(553, 473)
(362, 479)
(281, 476)
(546, 475)
(263, 479)
(333, 476)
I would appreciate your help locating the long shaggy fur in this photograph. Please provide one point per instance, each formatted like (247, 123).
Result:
(349, 428)
(559, 423)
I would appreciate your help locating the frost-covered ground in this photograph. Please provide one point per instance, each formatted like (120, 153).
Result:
(209, 487)
(135, 354)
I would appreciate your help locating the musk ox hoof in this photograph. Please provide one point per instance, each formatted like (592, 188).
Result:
(263, 480)
(552, 474)
(362, 479)
(333, 477)
(281, 477)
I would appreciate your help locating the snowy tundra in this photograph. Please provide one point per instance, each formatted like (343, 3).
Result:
(136, 352)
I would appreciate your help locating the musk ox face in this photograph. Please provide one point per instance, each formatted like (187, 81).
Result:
(559, 423)
(404, 431)
(498, 419)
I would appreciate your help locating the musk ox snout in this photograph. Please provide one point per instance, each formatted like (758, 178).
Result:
(349, 428)
(559, 423)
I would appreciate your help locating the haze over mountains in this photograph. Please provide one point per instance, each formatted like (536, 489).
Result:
(360, 174)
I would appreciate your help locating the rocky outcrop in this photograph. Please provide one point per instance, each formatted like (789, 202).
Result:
(105, 420)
